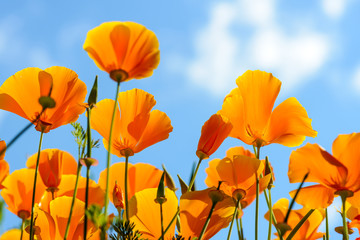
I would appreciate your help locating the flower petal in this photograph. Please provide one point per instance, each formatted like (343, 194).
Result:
(289, 124)
(316, 196)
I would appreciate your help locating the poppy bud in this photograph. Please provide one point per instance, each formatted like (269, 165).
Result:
(118, 197)
(93, 94)
(160, 196)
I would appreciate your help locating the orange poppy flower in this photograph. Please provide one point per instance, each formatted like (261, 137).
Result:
(123, 49)
(52, 224)
(144, 212)
(237, 172)
(249, 108)
(136, 127)
(20, 94)
(194, 210)
(213, 133)
(333, 173)
(17, 192)
(66, 188)
(52, 164)
(2, 147)
(353, 213)
(140, 176)
(308, 230)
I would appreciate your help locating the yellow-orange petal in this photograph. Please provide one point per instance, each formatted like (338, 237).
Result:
(140, 176)
(59, 211)
(4, 172)
(251, 192)
(13, 234)
(259, 90)
(145, 213)
(316, 196)
(45, 223)
(289, 124)
(157, 129)
(213, 133)
(354, 200)
(66, 188)
(45, 83)
(231, 152)
(125, 46)
(213, 178)
(280, 209)
(18, 188)
(340, 144)
(321, 166)
(194, 209)
(233, 109)
(349, 157)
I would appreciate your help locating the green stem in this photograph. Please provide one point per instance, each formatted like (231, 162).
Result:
(242, 229)
(271, 216)
(239, 229)
(34, 187)
(162, 222)
(171, 222)
(233, 218)
(207, 220)
(12, 141)
(194, 176)
(257, 197)
(109, 150)
(345, 227)
(126, 188)
(86, 200)
(73, 199)
(327, 224)
(298, 226)
(88, 133)
(22, 229)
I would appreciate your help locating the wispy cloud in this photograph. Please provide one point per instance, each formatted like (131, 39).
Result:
(246, 34)
(334, 8)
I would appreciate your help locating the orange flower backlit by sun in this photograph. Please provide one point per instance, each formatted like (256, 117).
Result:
(249, 108)
(136, 127)
(237, 172)
(335, 174)
(20, 94)
(213, 133)
(125, 50)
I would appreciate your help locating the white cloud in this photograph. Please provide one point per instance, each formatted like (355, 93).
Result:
(334, 8)
(69, 35)
(223, 52)
(356, 79)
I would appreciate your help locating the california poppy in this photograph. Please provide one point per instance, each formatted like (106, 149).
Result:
(249, 108)
(353, 213)
(52, 164)
(123, 49)
(334, 173)
(144, 212)
(11, 234)
(140, 176)
(194, 210)
(18, 189)
(238, 172)
(308, 231)
(20, 94)
(136, 127)
(4, 166)
(213, 133)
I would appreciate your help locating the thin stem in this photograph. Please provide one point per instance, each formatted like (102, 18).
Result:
(271, 215)
(126, 187)
(257, 196)
(327, 224)
(239, 230)
(34, 187)
(242, 229)
(298, 226)
(194, 176)
(86, 200)
(88, 133)
(162, 222)
(12, 141)
(109, 151)
(207, 221)
(22, 229)
(73, 199)
(171, 222)
(345, 227)
(233, 218)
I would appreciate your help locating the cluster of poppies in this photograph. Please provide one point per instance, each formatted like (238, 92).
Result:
(61, 204)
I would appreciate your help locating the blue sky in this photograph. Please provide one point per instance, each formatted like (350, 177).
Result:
(311, 46)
